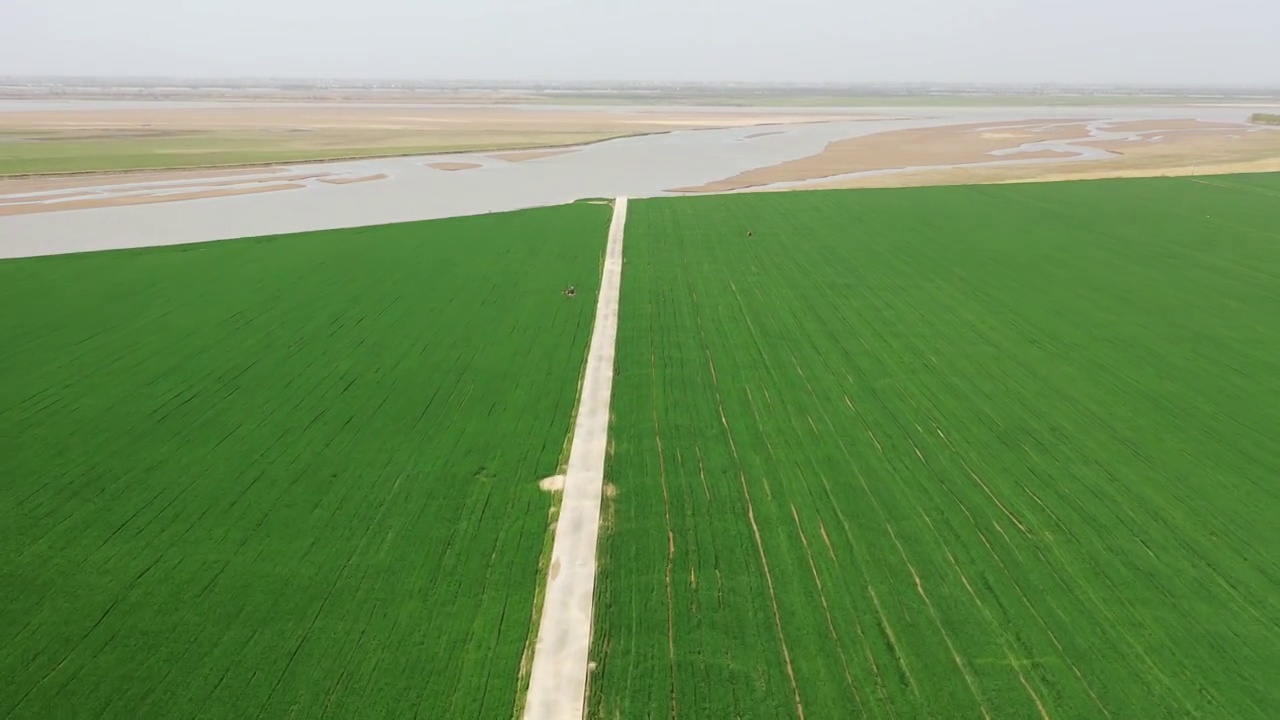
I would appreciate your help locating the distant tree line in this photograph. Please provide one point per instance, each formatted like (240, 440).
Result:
(1265, 119)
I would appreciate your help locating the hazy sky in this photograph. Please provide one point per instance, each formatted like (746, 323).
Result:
(1184, 41)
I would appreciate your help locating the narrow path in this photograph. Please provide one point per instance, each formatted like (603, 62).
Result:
(558, 679)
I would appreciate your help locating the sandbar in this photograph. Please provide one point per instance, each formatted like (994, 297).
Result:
(946, 145)
(41, 183)
(238, 134)
(453, 166)
(139, 199)
(1204, 152)
(350, 180)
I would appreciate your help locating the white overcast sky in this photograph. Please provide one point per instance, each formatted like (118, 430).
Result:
(1116, 41)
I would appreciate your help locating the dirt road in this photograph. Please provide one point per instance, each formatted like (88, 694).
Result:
(558, 679)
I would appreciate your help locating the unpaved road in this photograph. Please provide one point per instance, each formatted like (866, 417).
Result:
(558, 678)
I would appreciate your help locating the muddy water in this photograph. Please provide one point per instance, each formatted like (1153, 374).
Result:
(636, 167)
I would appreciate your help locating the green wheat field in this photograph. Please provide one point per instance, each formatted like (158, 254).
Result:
(289, 477)
(971, 452)
(994, 452)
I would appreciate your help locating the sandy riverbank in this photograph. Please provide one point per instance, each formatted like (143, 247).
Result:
(1198, 150)
(92, 202)
(947, 145)
(101, 137)
(453, 166)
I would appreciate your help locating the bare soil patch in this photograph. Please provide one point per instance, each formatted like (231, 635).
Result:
(555, 483)
(948, 145)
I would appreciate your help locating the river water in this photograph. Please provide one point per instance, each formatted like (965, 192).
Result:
(638, 167)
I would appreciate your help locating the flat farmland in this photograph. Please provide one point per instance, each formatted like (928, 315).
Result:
(100, 137)
(960, 452)
(286, 477)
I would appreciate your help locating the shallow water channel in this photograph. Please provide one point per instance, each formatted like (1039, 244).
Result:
(645, 166)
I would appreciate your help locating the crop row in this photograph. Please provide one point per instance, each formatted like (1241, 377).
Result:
(289, 477)
(986, 452)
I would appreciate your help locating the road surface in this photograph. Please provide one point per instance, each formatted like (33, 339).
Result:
(558, 678)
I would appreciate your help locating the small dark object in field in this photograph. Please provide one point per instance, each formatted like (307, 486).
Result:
(749, 233)
(570, 292)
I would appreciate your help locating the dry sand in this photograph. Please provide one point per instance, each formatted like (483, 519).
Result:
(240, 136)
(10, 200)
(555, 483)
(948, 145)
(159, 122)
(558, 678)
(140, 199)
(41, 183)
(349, 180)
(236, 133)
(248, 180)
(453, 166)
(1198, 152)
(154, 193)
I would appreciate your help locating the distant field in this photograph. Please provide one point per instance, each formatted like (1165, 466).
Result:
(1003, 452)
(102, 137)
(964, 452)
(286, 477)
(730, 95)
(810, 100)
(992, 101)
(52, 153)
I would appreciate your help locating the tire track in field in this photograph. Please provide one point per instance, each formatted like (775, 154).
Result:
(755, 528)
(971, 680)
(671, 541)
(887, 633)
(826, 610)
(917, 448)
(1028, 535)
(776, 461)
(1044, 714)
(1021, 595)
(558, 675)
(967, 673)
